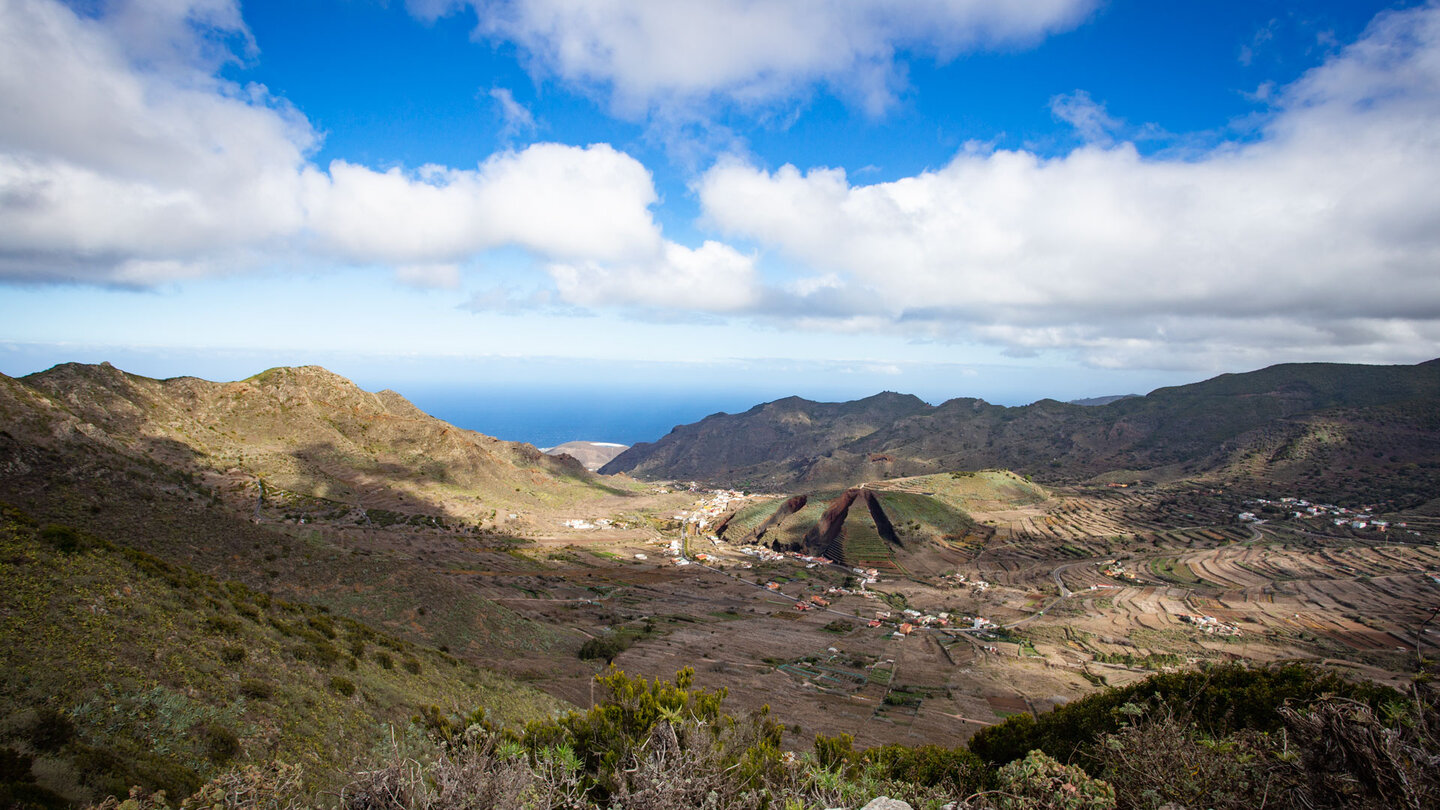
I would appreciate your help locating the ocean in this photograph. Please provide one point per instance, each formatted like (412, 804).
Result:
(548, 417)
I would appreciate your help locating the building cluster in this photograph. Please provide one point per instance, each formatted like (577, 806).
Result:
(1340, 516)
(710, 509)
(1209, 624)
(586, 525)
(1116, 570)
(761, 553)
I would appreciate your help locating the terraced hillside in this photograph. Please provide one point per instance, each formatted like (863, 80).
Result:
(861, 527)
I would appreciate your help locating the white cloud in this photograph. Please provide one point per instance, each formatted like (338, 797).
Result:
(1088, 118)
(556, 200)
(1326, 230)
(653, 54)
(516, 119)
(105, 159)
(711, 278)
(125, 160)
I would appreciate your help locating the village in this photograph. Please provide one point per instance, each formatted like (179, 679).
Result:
(1337, 516)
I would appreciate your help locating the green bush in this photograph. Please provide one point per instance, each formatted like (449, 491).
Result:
(222, 625)
(605, 648)
(233, 654)
(63, 538)
(50, 730)
(255, 689)
(343, 686)
(1038, 782)
(835, 753)
(955, 769)
(384, 660)
(613, 734)
(219, 743)
(1218, 699)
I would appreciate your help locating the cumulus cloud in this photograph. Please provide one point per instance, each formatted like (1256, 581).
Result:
(125, 160)
(673, 52)
(556, 200)
(107, 157)
(711, 278)
(1322, 234)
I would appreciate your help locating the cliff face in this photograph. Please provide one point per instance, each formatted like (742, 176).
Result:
(1218, 425)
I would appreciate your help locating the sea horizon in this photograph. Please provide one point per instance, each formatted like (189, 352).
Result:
(547, 417)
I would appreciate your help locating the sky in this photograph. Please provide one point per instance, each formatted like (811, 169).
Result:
(725, 198)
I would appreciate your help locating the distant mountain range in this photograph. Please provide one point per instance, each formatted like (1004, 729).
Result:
(1102, 400)
(1344, 429)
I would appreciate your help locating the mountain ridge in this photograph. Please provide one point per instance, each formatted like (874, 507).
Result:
(1211, 426)
(302, 429)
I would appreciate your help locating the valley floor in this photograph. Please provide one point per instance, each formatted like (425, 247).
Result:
(1085, 588)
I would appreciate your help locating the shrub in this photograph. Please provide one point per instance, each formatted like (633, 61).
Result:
(957, 770)
(384, 660)
(1038, 782)
(412, 666)
(63, 538)
(1156, 759)
(233, 654)
(50, 730)
(255, 689)
(254, 787)
(343, 686)
(219, 743)
(222, 625)
(1217, 699)
(324, 625)
(15, 766)
(835, 753)
(605, 648)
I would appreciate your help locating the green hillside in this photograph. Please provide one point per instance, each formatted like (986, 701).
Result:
(124, 670)
(924, 517)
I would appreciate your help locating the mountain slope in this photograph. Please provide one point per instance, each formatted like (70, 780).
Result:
(121, 669)
(304, 431)
(177, 468)
(775, 432)
(1207, 426)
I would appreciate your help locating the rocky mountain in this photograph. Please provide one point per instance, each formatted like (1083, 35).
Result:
(1321, 423)
(774, 436)
(298, 432)
(295, 482)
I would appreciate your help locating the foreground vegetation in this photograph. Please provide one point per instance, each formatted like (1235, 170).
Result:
(120, 669)
(661, 745)
(124, 670)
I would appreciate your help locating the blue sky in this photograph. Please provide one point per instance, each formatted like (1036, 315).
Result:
(1062, 198)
